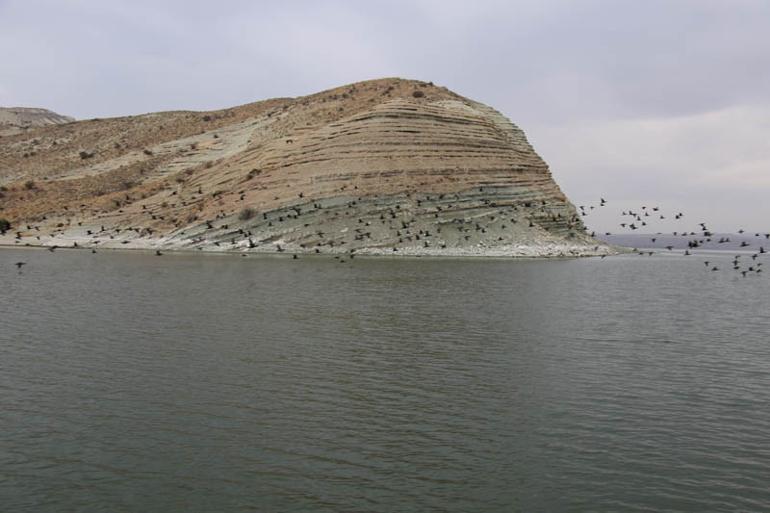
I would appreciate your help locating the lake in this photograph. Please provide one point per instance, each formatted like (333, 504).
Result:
(131, 382)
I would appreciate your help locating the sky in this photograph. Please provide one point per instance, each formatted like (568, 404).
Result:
(644, 103)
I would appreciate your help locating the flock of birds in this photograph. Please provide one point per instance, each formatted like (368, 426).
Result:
(642, 218)
(399, 224)
(633, 220)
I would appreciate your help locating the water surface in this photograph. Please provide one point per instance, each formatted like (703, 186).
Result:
(130, 382)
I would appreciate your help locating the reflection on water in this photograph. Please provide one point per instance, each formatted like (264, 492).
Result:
(191, 383)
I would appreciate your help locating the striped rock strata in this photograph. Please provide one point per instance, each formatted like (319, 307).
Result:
(386, 166)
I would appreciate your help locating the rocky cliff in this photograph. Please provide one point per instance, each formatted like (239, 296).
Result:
(386, 166)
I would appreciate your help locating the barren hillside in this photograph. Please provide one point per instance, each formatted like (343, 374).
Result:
(17, 119)
(384, 166)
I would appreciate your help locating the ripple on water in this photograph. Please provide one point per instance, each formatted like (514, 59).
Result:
(212, 383)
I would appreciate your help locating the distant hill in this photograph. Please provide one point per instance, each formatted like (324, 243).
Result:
(16, 119)
(748, 242)
(388, 166)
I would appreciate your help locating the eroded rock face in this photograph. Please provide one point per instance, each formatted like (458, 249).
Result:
(381, 167)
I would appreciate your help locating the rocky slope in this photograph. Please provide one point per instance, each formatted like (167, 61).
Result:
(17, 119)
(386, 166)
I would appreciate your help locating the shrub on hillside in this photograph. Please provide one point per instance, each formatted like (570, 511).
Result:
(418, 94)
(5, 225)
(247, 213)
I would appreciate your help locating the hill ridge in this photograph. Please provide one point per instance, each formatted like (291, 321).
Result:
(381, 166)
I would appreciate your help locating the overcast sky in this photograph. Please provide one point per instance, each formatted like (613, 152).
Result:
(663, 102)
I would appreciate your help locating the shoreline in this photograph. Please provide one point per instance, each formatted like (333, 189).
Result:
(519, 252)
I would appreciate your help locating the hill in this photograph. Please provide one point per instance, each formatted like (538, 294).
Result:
(387, 166)
(17, 119)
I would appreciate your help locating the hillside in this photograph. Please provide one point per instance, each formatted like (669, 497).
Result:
(386, 166)
(17, 119)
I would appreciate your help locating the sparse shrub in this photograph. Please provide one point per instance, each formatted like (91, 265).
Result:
(147, 152)
(252, 174)
(30, 185)
(5, 225)
(127, 184)
(246, 214)
(86, 155)
(209, 164)
(206, 118)
(418, 94)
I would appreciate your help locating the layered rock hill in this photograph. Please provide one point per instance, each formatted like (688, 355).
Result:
(16, 119)
(388, 166)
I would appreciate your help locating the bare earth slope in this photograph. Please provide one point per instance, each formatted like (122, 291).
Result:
(386, 166)
(17, 119)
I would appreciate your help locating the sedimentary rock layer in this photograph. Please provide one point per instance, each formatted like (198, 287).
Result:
(387, 166)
